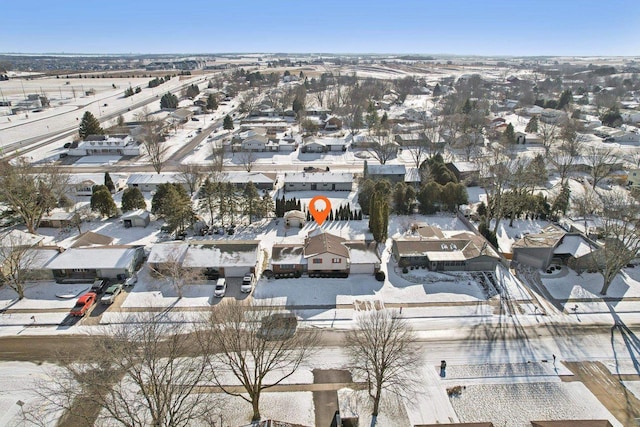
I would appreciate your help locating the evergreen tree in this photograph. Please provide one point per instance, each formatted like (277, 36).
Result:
(133, 199)
(251, 199)
(466, 108)
(172, 202)
(437, 91)
(484, 229)
(372, 118)
(565, 98)
(89, 126)
(532, 126)
(227, 124)
(509, 135)
(102, 202)
(212, 103)
(266, 206)
(379, 211)
(108, 182)
(612, 118)
(169, 101)
(365, 194)
(192, 91)
(429, 197)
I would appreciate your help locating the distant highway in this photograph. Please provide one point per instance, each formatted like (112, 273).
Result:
(26, 145)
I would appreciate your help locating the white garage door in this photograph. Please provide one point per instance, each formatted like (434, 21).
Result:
(361, 269)
(235, 271)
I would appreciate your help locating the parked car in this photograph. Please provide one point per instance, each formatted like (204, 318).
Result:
(195, 119)
(221, 288)
(130, 281)
(247, 283)
(111, 293)
(100, 285)
(83, 304)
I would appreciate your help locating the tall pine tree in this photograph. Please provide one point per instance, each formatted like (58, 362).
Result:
(89, 126)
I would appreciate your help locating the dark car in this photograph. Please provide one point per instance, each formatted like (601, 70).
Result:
(195, 119)
(100, 285)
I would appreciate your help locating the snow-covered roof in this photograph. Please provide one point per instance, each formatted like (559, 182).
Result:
(94, 258)
(18, 238)
(288, 254)
(232, 253)
(167, 252)
(240, 177)
(412, 175)
(573, 245)
(89, 238)
(466, 166)
(362, 253)
(38, 258)
(139, 213)
(314, 177)
(153, 178)
(386, 169)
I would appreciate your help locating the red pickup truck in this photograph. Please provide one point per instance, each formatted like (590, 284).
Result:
(83, 304)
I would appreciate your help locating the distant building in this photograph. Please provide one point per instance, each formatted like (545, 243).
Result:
(105, 145)
(318, 181)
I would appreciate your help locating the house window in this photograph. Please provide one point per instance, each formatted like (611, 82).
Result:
(336, 260)
(286, 266)
(317, 260)
(80, 270)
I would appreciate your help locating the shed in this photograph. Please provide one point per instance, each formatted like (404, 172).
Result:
(137, 218)
(294, 218)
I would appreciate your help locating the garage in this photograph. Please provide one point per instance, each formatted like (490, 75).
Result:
(236, 271)
(362, 268)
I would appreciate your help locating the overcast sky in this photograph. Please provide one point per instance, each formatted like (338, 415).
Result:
(463, 27)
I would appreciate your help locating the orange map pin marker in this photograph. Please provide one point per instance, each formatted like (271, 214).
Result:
(320, 215)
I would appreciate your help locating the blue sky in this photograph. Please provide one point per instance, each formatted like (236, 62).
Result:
(478, 27)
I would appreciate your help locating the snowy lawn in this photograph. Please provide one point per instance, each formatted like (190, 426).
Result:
(18, 382)
(43, 295)
(515, 405)
(588, 285)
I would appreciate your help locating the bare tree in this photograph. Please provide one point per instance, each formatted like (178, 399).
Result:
(247, 159)
(154, 145)
(383, 353)
(248, 101)
(18, 257)
(252, 342)
(173, 271)
(620, 218)
(563, 163)
(31, 191)
(138, 373)
(383, 147)
(600, 161)
(548, 134)
(192, 175)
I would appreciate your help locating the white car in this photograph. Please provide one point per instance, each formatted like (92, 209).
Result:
(221, 288)
(247, 283)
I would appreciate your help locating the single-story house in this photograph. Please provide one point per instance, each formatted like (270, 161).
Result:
(16, 239)
(528, 138)
(295, 218)
(240, 178)
(633, 177)
(150, 181)
(90, 263)
(106, 145)
(181, 115)
(59, 218)
(323, 145)
(137, 218)
(440, 250)
(393, 173)
(228, 258)
(318, 181)
(332, 123)
(89, 238)
(553, 244)
(35, 260)
(411, 139)
(467, 172)
(82, 184)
